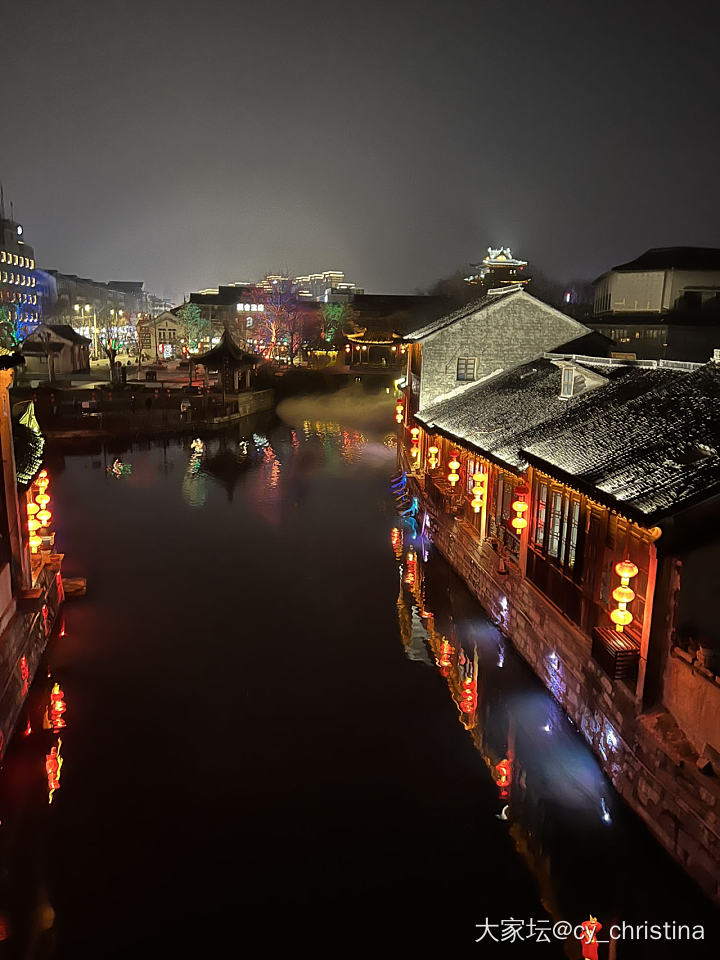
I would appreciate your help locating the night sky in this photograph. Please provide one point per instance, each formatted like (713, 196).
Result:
(188, 143)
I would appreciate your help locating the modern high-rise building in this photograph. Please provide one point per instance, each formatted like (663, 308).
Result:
(319, 287)
(18, 277)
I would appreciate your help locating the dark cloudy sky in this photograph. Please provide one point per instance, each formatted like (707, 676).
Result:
(189, 143)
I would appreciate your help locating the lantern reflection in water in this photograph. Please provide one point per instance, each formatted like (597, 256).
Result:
(410, 568)
(504, 777)
(396, 539)
(53, 768)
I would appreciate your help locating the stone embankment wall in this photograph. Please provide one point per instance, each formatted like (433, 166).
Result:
(647, 758)
(26, 635)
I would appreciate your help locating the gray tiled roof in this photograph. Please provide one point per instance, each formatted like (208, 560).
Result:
(645, 440)
(655, 453)
(464, 311)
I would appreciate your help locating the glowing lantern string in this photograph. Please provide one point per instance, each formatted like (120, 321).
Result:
(479, 491)
(520, 507)
(433, 457)
(624, 595)
(454, 465)
(398, 412)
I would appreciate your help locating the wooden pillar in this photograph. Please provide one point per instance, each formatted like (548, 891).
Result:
(527, 480)
(647, 623)
(19, 552)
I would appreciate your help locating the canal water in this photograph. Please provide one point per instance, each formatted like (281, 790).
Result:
(288, 726)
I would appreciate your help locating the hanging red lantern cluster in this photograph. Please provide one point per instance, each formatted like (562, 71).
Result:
(57, 708)
(37, 512)
(454, 465)
(479, 491)
(433, 459)
(399, 412)
(519, 505)
(624, 594)
(468, 696)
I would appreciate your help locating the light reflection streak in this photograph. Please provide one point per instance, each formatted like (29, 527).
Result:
(531, 774)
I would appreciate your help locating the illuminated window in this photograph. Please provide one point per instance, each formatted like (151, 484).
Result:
(553, 547)
(466, 368)
(253, 307)
(540, 511)
(261, 308)
(2, 257)
(15, 259)
(574, 523)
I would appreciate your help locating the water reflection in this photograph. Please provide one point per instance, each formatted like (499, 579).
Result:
(239, 706)
(585, 850)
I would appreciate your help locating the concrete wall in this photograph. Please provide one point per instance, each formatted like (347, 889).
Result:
(645, 756)
(692, 695)
(25, 635)
(629, 292)
(517, 328)
(651, 291)
(706, 281)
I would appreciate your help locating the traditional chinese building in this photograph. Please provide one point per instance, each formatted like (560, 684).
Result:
(30, 579)
(499, 268)
(578, 496)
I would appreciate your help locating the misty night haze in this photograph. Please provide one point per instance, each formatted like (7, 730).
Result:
(192, 144)
(360, 488)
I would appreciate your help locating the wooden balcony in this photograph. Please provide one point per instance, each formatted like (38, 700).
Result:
(617, 653)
